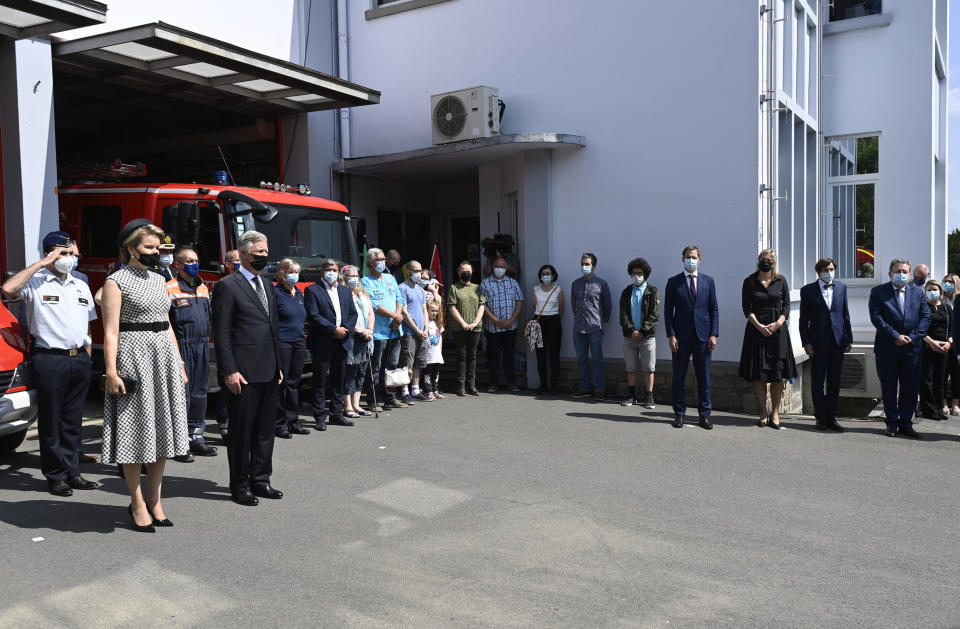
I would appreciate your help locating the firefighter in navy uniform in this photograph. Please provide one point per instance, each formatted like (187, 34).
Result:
(167, 247)
(190, 318)
(58, 308)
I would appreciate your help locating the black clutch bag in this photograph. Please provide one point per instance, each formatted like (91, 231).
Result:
(129, 384)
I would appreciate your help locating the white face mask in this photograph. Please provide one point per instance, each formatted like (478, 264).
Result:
(415, 277)
(638, 280)
(499, 271)
(166, 259)
(827, 276)
(586, 269)
(64, 264)
(546, 279)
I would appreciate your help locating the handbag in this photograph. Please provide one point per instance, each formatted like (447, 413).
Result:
(532, 330)
(396, 377)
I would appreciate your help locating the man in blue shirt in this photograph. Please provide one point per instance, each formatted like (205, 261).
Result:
(387, 330)
(591, 303)
(504, 305)
(414, 343)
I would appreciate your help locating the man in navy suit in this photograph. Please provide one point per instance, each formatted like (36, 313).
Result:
(900, 313)
(826, 336)
(692, 321)
(331, 317)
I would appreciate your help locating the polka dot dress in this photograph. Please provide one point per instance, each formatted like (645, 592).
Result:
(150, 423)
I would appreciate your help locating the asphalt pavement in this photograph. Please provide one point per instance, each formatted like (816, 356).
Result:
(509, 510)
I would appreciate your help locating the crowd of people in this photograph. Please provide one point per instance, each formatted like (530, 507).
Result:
(381, 331)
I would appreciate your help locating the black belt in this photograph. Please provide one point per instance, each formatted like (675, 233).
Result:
(153, 326)
(56, 352)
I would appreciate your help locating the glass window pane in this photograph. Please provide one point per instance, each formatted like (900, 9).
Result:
(846, 9)
(868, 155)
(853, 229)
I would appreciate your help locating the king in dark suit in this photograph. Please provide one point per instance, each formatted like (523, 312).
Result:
(331, 318)
(826, 336)
(899, 312)
(692, 322)
(245, 332)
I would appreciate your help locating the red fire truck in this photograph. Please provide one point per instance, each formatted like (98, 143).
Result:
(209, 219)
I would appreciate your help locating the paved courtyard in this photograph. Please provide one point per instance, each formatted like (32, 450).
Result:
(510, 511)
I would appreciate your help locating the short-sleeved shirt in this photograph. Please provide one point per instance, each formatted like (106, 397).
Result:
(291, 315)
(467, 299)
(383, 292)
(415, 298)
(502, 296)
(58, 311)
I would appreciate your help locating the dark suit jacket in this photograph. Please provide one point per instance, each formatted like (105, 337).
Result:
(820, 326)
(890, 324)
(688, 320)
(322, 319)
(244, 336)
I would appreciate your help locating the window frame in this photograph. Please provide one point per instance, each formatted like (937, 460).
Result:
(831, 20)
(391, 7)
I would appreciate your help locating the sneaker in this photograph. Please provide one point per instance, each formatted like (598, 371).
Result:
(649, 403)
(492, 388)
(627, 402)
(407, 400)
(955, 411)
(580, 393)
(422, 397)
(514, 388)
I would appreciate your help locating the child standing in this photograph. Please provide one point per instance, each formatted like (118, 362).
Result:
(431, 378)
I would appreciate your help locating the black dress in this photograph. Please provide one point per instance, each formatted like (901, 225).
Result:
(933, 367)
(766, 358)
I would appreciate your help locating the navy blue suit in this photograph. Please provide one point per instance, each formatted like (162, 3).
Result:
(899, 366)
(828, 331)
(329, 354)
(693, 322)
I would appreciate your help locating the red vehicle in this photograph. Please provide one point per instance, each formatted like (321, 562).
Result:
(209, 219)
(18, 402)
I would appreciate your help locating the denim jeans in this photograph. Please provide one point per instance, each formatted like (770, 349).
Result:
(386, 355)
(589, 348)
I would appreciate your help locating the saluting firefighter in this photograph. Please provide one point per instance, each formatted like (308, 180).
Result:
(190, 317)
(59, 308)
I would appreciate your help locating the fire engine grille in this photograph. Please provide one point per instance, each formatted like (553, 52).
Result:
(5, 378)
(854, 377)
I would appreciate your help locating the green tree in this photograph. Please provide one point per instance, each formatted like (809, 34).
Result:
(953, 251)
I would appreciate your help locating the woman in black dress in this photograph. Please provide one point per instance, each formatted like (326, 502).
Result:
(767, 356)
(936, 352)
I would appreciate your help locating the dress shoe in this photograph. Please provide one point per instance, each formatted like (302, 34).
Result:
(473, 392)
(86, 458)
(821, 426)
(59, 488)
(200, 448)
(598, 395)
(461, 392)
(79, 482)
(146, 528)
(776, 426)
(678, 421)
(579, 393)
(705, 423)
(266, 491)
(184, 458)
(284, 434)
(245, 498)
(321, 424)
(834, 426)
(343, 421)
(156, 522)
(890, 432)
(908, 431)
(299, 430)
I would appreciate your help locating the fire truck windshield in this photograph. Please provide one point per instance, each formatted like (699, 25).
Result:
(307, 236)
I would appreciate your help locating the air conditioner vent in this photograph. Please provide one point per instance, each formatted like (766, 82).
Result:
(854, 374)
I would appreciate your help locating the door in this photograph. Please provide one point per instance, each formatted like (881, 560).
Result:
(464, 245)
(407, 232)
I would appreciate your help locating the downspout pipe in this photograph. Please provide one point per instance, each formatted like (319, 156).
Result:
(343, 71)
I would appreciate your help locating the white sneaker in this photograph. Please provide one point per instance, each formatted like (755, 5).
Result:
(955, 411)
(946, 409)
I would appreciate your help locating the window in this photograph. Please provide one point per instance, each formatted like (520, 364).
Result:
(852, 179)
(846, 9)
(99, 226)
(381, 8)
(208, 245)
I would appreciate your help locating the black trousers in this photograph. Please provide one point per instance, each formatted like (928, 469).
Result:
(500, 354)
(549, 354)
(61, 383)
(933, 368)
(253, 415)
(826, 365)
(430, 378)
(292, 356)
(951, 389)
(334, 368)
(466, 343)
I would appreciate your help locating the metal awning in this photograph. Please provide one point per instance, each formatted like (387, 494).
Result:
(168, 60)
(456, 161)
(20, 19)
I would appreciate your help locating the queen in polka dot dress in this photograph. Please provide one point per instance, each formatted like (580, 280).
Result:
(148, 424)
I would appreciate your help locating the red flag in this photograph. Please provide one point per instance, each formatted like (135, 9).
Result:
(436, 266)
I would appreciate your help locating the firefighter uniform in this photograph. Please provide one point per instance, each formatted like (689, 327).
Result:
(190, 318)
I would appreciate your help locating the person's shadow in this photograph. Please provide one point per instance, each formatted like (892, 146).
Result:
(67, 516)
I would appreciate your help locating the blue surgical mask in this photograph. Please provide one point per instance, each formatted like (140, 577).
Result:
(330, 276)
(586, 269)
(192, 270)
(236, 266)
(166, 259)
(499, 271)
(948, 287)
(353, 281)
(901, 279)
(381, 266)
(690, 264)
(76, 262)
(933, 295)
(292, 278)
(424, 283)
(827, 276)
(546, 279)
(415, 277)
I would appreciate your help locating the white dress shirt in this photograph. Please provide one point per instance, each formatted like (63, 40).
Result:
(334, 297)
(827, 292)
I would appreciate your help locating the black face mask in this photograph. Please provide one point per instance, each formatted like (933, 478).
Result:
(149, 260)
(259, 262)
(466, 276)
(765, 265)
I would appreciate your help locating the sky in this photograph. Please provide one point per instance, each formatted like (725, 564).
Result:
(953, 123)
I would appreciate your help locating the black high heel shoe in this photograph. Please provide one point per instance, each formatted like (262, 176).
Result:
(156, 522)
(149, 528)
(762, 422)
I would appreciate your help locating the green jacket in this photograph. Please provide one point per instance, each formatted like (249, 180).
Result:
(649, 310)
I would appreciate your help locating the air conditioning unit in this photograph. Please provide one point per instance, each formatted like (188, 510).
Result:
(465, 114)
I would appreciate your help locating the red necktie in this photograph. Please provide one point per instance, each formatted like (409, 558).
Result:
(693, 289)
